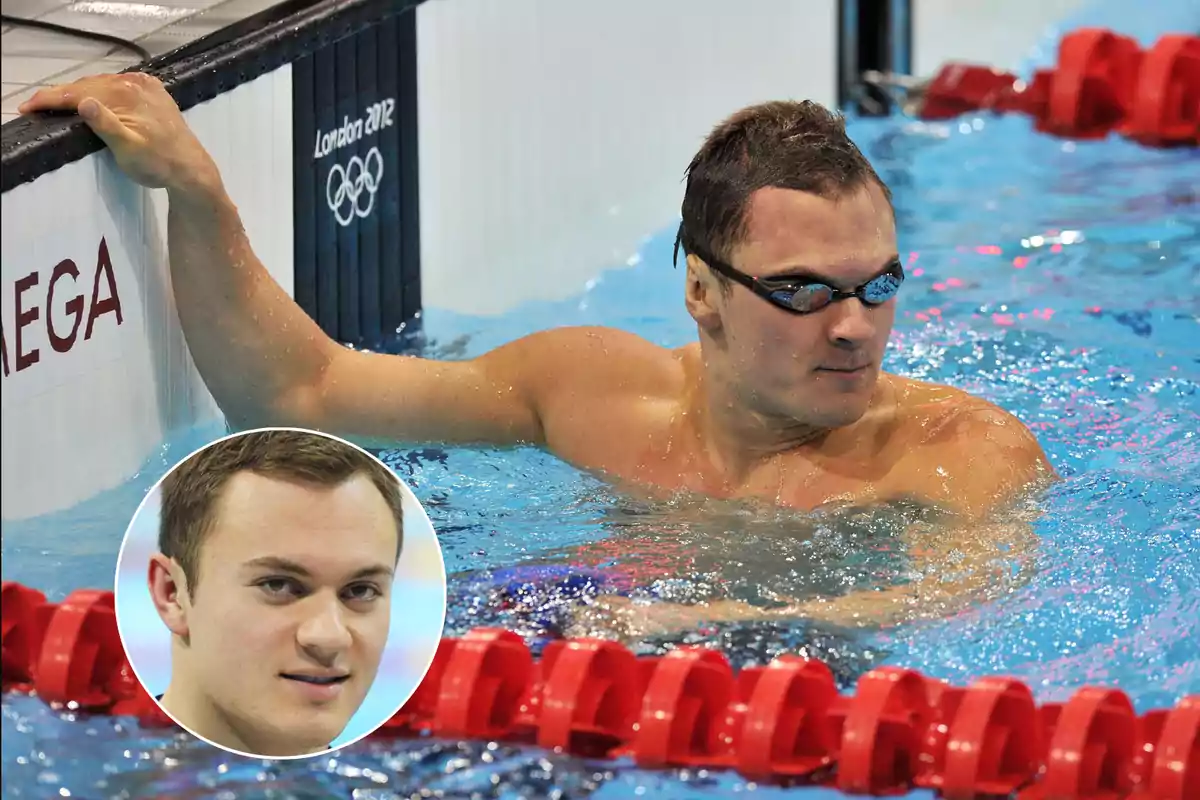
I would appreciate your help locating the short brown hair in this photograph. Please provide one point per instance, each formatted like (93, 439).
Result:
(190, 491)
(783, 144)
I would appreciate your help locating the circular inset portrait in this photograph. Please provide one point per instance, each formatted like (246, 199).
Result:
(281, 593)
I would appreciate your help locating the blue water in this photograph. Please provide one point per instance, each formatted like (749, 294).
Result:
(1060, 280)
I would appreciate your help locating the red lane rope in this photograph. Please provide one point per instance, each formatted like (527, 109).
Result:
(1103, 83)
(781, 723)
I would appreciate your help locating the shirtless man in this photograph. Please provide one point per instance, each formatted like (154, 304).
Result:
(792, 270)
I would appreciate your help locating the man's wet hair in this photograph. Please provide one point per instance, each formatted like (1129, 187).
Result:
(191, 492)
(798, 145)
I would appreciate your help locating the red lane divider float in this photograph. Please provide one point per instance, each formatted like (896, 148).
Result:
(781, 723)
(1103, 83)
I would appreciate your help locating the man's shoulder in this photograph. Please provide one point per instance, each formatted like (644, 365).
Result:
(965, 444)
(590, 364)
(959, 425)
(589, 336)
(606, 353)
(940, 409)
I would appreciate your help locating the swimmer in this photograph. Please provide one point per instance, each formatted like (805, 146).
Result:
(792, 269)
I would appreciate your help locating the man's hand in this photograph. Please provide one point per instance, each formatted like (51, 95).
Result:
(139, 121)
(261, 356)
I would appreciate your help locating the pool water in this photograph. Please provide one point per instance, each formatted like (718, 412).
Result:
(1060, 280)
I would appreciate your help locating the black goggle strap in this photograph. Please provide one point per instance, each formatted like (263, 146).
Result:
(718, 265)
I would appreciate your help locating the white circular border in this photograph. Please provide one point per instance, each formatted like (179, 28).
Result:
(409, 498)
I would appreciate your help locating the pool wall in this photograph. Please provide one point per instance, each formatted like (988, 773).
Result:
(96, 372)
(95, 362)
(552, 141)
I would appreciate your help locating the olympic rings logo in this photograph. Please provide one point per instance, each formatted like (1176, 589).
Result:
(350, 190)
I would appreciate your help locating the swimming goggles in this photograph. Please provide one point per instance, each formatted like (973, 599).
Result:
(804, 294)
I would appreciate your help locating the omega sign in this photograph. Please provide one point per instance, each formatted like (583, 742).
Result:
(60, 310)
(351, 185)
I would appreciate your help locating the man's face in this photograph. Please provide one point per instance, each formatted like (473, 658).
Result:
(289, 619)
(796, 366)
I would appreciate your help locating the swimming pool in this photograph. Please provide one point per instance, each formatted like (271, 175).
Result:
(1058, 279)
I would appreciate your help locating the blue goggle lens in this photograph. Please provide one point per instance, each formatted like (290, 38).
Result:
(815, 296)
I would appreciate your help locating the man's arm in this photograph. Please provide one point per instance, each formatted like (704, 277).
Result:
(264, 360)
(961, 566)
(268, 363)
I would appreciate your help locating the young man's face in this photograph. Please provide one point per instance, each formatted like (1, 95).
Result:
(288, 622)
(821, 367)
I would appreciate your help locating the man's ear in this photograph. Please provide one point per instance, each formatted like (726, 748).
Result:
(169, 592)
(703, 295)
